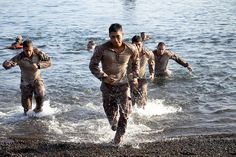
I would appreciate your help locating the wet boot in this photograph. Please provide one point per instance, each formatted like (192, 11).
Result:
(25, 112)
(37, 110)
(118, 138)
(114, 127)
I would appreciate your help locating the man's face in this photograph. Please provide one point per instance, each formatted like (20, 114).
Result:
(28, 51)
(143, 35)
(116, 38)
(162, 49)
(139, 45)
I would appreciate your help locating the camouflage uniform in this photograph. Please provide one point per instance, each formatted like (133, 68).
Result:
(31, 81)
(161, 62)
(139, 95)
(116, 95)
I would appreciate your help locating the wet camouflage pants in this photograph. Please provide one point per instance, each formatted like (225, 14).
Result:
(27, 91)
(117, 98)
(139, 95)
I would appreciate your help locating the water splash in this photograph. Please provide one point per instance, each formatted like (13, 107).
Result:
(16, 114)
(47, 110)
(98, 130)
(156, 107)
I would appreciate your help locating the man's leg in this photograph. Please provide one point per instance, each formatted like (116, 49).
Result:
(39, 93)
(26, 97)
(133, 93)
(142, 97)
(125, 109)
(110, 106)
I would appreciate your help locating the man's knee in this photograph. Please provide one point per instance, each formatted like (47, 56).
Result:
(39, 89)
(26, 96)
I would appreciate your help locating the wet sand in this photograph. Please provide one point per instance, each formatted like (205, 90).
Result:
(211, 145)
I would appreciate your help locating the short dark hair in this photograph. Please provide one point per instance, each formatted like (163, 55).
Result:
(136, 38)
(161, 44)
(27, 43)
(115, 27)
(91, 42)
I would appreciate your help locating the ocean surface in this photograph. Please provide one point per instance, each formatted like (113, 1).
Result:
(202, 32)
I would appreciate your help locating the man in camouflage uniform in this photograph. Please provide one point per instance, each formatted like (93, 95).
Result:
(162, 56)
(139, 95)
(30, 61)
(114, 56)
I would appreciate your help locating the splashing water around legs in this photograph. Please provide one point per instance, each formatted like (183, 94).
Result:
(156, 107)
(46, 110)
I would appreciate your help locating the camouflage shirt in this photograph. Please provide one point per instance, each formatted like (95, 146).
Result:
(146, 57)
(161, 61)
(28, 74)
(114, 64)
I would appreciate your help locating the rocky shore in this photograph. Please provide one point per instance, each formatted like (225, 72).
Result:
(208, 145)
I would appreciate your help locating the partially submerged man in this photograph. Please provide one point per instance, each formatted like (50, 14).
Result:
(162, 56)
(18, 44)
(139, 95)
(30, 61)
(91, 45)
(114, 56)
(144, 36)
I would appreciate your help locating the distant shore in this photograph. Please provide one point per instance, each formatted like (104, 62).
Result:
(208, 145)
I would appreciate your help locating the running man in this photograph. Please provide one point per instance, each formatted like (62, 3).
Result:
(114, 56)
(30, 61)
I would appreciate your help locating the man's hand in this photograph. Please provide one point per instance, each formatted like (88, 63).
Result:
(8, 64)
(151, 76)
(108, 80)
(35, 66)
(189, 69)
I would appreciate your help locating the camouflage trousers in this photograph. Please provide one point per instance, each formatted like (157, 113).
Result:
(139, 94)
(37, 88)
(116, 98)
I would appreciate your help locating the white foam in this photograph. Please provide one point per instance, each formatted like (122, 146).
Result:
(99, 131)
(156, 107)
(47, 110)
(54, 126)
(2, 114)
(16, 113)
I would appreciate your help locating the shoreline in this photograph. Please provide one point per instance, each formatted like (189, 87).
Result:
(203, 145)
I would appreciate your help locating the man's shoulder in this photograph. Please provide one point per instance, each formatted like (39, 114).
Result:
(131, 47)
(19, 56)
(148, 53)
(168, 52)
(103, 46)
(154, 51)
(38, 51)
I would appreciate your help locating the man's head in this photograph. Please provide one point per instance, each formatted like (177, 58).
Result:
(137, 40)
(116, 34)
(161, 47)
(143, 35)
(19, 38)
(91, 45)
(28, 48)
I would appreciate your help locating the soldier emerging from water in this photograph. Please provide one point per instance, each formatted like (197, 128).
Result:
(30, 61)
(91, 45)
(114, 56)
(162, 56)
(139, 95)
(144, 36)
(18, 44)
